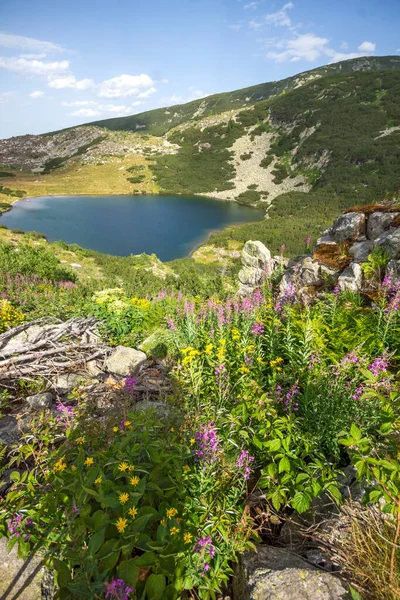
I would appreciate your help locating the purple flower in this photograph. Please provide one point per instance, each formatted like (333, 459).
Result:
(258, 328)
(207, 442)
(117, 589)
(171, 325)
(205, 569)
(378, 366)
(67, 413)
(14, 524)
(308, 241)
(243, 462)
(130, 384)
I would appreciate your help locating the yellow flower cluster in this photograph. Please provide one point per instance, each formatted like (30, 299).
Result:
(141, 303)
(235, 334)
(189, 354)
(60, 465)
(171, 512)
(221, 350)
(108, 295)
(9, 316)
(276, 364)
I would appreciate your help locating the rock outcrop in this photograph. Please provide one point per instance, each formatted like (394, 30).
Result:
(337, 258)
(276, 574)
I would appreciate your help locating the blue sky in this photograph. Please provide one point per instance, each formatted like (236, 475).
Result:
(65, 63)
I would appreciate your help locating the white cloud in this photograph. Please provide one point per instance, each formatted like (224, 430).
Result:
(86, 112)
(236, 27)
(36, 94)
(256, 25)
(5, 97)
(70, 81)
(34, 55)
(252, 5)
(147, 93)
(34, 67)
(367, 47)
(280, 17)
(79, 103)
(164, 80)
(344, 46)
(8, 40)
(196, 94)
(308, 47)
(125, 85)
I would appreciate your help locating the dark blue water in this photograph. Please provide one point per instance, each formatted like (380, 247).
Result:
(168, 226)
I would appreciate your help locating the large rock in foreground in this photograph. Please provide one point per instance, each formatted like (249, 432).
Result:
(125, 361)
(277, 574)
(19, 579)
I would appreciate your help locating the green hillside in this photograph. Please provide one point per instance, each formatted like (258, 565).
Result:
(161, 120)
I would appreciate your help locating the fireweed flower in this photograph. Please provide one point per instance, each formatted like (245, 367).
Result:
(207, 442)
(130, 384)
(171, 325)
(378, 366)
(67, 413)
(243, 462)
(117, 589)
(308, 241)
(258, 328)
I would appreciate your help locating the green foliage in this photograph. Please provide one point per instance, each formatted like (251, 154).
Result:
(28, 260)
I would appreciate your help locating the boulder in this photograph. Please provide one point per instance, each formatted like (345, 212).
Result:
(255, 254)
(348, 227)
(9, 431)
(40, 402)
(309, 273)
(94, 367)
(251, 276)
(390, 242)
(160, 407)
(378, 223)
(351, 278)
(125, 361)
(278, 574)
(65, 383)
(361, 250)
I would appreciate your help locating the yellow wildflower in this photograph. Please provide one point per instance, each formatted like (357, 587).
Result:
(115, 429)
(134, 480)
(132, 511)
(171, 512)
(121, 524)
(80, 440)
(209, 349)
(192, 441)
(174, 530)
(59, 465)
(162, 522)
(73, 468)
(123, 466)
(123, 498)
(186, 468)
(98, 480)
(127, 423)
(244, 369)
(187, 538)
(131, 468)
(172, 429)
(89, 461)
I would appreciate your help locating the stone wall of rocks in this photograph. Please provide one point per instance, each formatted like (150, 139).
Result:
(337, 258)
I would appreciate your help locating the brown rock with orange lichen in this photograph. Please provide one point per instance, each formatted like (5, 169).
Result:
(333, 255)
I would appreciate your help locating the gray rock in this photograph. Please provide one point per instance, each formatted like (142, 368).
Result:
(245, 290)
(252, 276)
(379, 222)
(24, 338)
(255, 254)
(277, 574)
(40, 401)
(361, 250)
(5, 480)
(309, 273)
(94, 367)
(390, 242)
(9, 432)
(351, 278)
(348, 227)
(125, 361)
(64, 384)
(160, 407)
(18, 578)
(393, 270)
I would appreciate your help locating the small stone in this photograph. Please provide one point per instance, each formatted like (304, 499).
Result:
(390, 242)
(40, 402)
(125, 361)
(66, 383)
(9, 432)
(94, 368)
(351, 278)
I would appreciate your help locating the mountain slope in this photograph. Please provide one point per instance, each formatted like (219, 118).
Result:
(161, 120)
